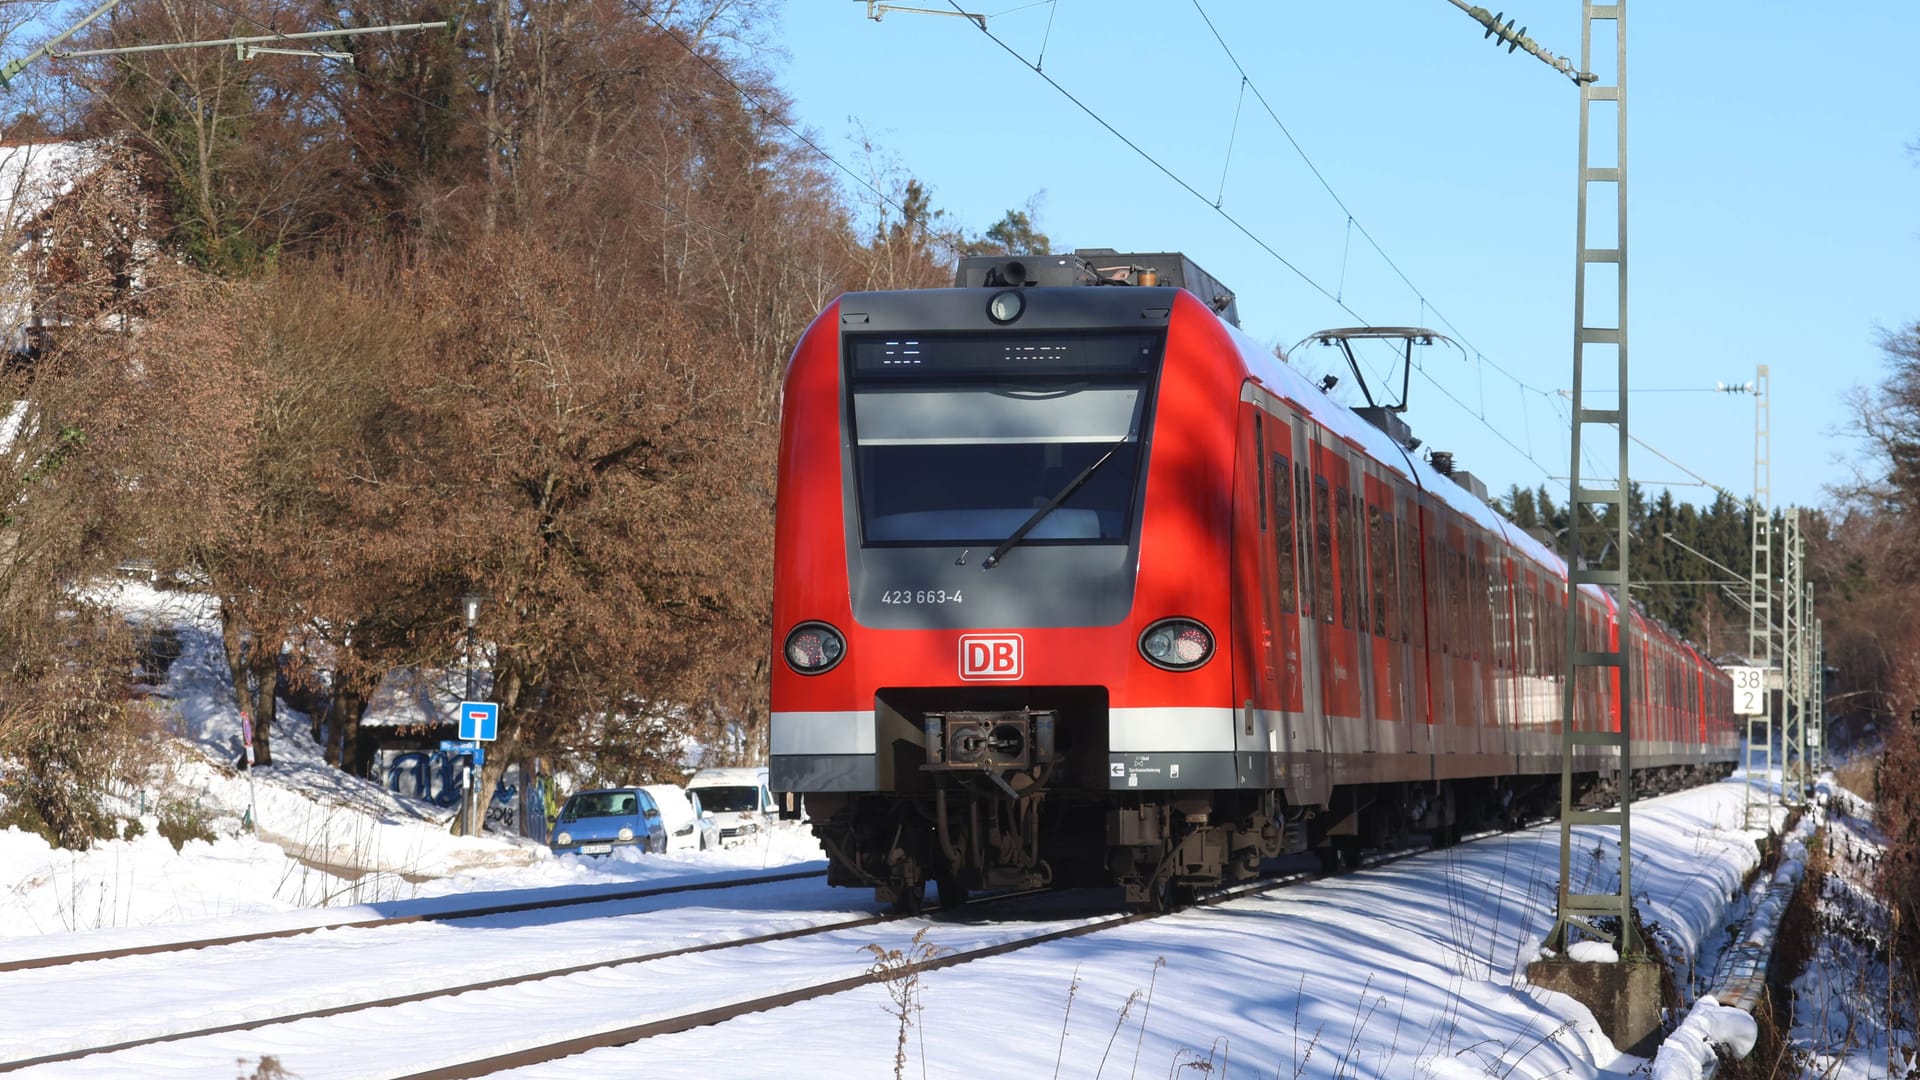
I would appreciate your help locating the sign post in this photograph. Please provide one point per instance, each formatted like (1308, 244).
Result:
(479, 723)
(252, 820)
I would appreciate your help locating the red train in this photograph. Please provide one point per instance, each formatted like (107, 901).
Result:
(1078, 584)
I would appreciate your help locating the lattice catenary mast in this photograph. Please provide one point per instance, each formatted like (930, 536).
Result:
(1759, 745)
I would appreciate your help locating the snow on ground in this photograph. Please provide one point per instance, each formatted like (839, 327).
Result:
(1413, 969)
(320, 838)
(1410, 969)
(1841, 1012)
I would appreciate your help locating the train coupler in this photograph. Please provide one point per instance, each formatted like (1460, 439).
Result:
(990, 743)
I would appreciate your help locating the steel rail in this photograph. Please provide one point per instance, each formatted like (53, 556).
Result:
(707, 1017)
(719, 1014)
(473, 912)
(490, 984)
(444, 991)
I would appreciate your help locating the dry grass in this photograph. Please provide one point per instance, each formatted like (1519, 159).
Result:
(1861, 777)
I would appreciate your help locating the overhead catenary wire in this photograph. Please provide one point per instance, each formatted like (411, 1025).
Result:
(1245, 231)
(1353, 223)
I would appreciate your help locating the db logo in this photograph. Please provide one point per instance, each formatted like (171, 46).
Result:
(989, 657)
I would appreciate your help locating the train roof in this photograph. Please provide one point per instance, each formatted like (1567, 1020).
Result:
(1290, 382)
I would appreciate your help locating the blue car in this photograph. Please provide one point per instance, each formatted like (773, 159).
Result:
(596, 822)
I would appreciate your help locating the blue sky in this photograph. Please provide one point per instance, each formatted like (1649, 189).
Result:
(1774, 206)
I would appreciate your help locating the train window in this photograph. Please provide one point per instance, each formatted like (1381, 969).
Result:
(1403, 574)
(1488, 578)
(1560, 631)
(1283, 528)
(1412, 623)
(1396, 615)
(1493, 627)
(1260, 469)
(1323, 548)
(970, 463)
(1475, 580)
(1343, 506)
(1435, 571)
(1379, 559)
(1302, 535)
(1530, 660)
(1462, 615)
(1363, 568)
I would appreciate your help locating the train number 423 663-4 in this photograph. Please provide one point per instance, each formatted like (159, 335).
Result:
(920, 596)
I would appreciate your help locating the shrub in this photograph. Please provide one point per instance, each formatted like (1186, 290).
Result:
(182, 821)
(69, 730)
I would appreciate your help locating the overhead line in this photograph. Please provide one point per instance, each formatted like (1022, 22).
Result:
(1244, 230)
(1248, 83)
(1341, 203)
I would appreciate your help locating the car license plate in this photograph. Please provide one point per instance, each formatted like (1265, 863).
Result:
(596, 849)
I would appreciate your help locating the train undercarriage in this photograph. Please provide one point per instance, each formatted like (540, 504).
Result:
(1001, 805)
(1158, 850)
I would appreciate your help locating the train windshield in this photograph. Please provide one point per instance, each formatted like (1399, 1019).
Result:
(966, 452)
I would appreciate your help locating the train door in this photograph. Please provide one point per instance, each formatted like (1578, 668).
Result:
(1413, 629)
(1313, 547)
(1539, 700)
(1697, 724)
(1389, 702)
(1439, 625)
(1528, 659)
(1345, 688)
(1255, 578)
(1461, 644)
(1286, 595)
(1355, 550)
(1482, 602)
(1506, 649)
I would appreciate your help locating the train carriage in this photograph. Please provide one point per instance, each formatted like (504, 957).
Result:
(1078, 584)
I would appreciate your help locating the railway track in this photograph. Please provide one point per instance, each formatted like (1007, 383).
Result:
(447, 991)
(501, 1004)
(93, 1059)
(694, 1018)
(454, 911)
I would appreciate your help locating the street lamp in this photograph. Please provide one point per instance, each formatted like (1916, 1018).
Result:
(470, 607)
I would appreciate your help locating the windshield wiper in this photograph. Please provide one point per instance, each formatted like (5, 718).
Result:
(1053, 504)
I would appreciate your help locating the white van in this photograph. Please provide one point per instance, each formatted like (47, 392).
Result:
(688, 827)
(739, 801)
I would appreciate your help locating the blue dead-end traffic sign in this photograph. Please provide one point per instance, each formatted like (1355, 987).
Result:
(479, 720)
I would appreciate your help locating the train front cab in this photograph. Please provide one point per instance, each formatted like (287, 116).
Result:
(1008, 689)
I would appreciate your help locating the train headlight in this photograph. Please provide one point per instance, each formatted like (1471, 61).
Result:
(1177, 644)
(1004, 307)
(814, 647)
